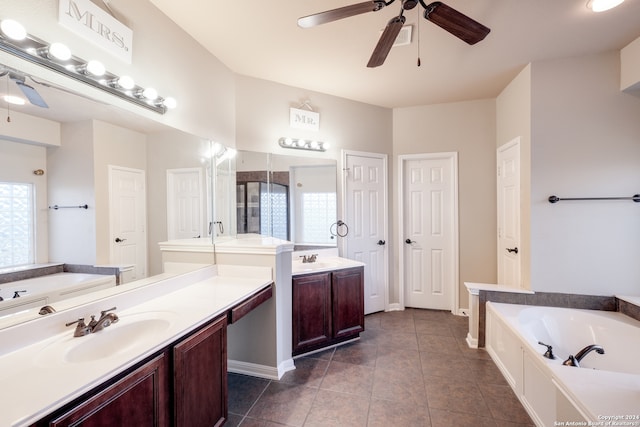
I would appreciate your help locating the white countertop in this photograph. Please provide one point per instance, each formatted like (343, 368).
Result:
(36, 379)
(475, 288)
(322, 264)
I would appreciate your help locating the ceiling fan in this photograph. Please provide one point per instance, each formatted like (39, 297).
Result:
(29, 91)
(437, 12)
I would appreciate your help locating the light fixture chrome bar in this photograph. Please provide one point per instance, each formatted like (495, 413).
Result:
(27, 50)
(303, 144)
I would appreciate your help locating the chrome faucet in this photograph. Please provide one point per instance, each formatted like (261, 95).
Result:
(309, 258)
(575, 360)
(106, 319)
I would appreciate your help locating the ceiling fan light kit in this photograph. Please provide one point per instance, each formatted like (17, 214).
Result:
(15, 40)
(444, 16)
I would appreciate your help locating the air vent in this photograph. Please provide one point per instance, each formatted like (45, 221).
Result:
(404, 37)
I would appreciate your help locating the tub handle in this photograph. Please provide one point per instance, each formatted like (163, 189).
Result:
(549, 353)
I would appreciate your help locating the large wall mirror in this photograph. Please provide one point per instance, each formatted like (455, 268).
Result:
(288, 197)
(172, 177)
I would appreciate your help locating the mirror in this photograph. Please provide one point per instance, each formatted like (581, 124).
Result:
(288, 197)
(178, 169)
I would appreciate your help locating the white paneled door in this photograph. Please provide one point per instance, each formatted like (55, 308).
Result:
(365, 213)
(509, 249)
(429, 230)
(127, 218)
(185, 204)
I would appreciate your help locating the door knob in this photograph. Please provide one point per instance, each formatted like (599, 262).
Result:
(381, 242)
(409, 241)
(512, 250)
(119, 240)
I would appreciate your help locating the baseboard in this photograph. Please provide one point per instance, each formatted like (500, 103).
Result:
(471, 342)
(394, 307)
(260, 371)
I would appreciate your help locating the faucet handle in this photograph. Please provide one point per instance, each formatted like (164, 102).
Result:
(549, 353)
(103, 312)
(93, 322)
(81, 329)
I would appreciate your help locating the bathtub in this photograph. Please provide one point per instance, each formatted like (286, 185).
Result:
(603, 387)
(48, 289)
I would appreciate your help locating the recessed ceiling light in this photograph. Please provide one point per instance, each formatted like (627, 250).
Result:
(602, 5)
(15, 100)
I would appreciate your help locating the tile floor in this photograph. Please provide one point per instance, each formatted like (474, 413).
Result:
(410, 368)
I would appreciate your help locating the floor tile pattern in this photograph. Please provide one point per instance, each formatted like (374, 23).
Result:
(410, 368)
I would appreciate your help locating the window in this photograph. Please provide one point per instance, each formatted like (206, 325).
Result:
(318, 213)
(16, 224)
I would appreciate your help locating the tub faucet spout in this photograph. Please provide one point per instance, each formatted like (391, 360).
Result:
(575, 360)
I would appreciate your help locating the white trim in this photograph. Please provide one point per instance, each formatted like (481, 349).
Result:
(453, 157)
(385, 203)
(260, 371)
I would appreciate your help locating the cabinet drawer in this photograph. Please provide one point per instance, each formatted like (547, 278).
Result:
(244, 308)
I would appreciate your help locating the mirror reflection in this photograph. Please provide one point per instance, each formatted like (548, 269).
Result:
(141, 182)
(288, 197)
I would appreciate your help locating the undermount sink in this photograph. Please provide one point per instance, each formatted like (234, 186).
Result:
(131, 331)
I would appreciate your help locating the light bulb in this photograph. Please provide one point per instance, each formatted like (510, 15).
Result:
(126, 82)
(13, 29)
(96, 68)
(59, 51)
(170, 103)
(150, 93)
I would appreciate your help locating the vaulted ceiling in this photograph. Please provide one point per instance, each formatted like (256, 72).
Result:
(261, 39)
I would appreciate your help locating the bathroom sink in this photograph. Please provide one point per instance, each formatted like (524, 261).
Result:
(129, 333)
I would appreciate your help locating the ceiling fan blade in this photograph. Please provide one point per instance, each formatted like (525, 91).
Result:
(456, 23)
(388, 37)
(32, 95)
(341, 13)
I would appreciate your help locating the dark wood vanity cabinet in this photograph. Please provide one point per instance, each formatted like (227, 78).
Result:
(139, 399)
(328, 308)
(200, 377)
(143, 396)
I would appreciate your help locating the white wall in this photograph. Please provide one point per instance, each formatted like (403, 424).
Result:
(585, 142)
(468, 128)
(513, 120)
(70, 181)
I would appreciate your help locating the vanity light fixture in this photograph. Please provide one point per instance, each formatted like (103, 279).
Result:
(602, 5)
(303, 144)
(57, 57)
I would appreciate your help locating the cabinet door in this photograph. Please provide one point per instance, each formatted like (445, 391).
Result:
(200, 377)
(348, 302)
(311, 310)
(138, 399)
